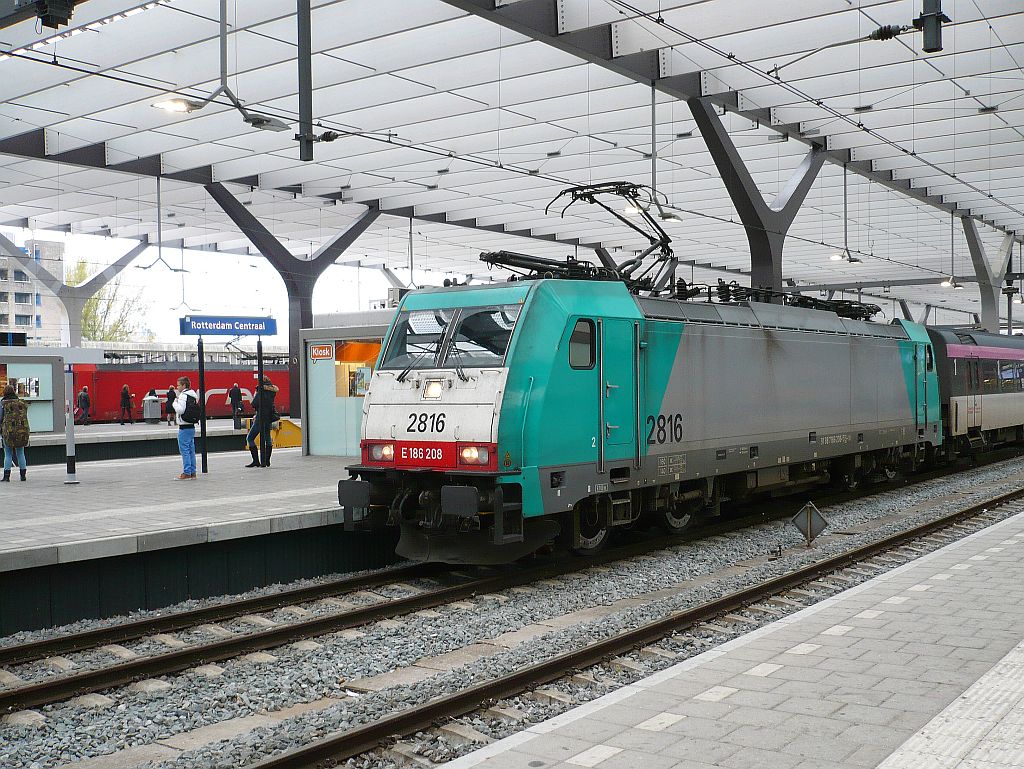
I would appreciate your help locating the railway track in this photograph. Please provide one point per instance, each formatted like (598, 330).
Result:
(826, 574)
(57, 688)
(62, 687)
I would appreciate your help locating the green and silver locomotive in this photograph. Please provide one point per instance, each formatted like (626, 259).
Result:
(502, 417)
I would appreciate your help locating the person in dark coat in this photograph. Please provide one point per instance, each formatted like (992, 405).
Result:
(263, 414)
(172, 417)
(235, 396)
(126, 405)
(14, 430)
(84, 404)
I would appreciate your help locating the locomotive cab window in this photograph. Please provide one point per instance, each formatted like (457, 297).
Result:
(929, 358)
(416, 339)
(482, 336)
(582, 346)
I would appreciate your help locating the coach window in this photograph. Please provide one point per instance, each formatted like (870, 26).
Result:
(1008, 376)
(582, 345)
(989, 377)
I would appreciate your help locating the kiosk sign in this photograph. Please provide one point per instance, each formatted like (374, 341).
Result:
(226, 325)
(321, 352)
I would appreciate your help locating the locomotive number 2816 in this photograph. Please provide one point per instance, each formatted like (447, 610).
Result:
(665, 428)
(426, 423)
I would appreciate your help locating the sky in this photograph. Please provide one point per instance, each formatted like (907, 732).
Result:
(213, 284)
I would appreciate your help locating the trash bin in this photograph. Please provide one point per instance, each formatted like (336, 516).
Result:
(151, 409)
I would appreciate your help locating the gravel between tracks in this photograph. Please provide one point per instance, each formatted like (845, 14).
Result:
(70, 733)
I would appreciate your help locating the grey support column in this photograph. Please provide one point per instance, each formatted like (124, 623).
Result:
(299, 275)
(766, 225)
(72, 297)
(990, 273)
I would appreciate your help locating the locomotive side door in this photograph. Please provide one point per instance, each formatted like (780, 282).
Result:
(618, 370)
(920, 388)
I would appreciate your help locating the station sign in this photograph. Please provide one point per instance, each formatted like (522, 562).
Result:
(226, 325)
(321, 352)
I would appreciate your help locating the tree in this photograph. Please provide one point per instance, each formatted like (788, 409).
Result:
(112, 315)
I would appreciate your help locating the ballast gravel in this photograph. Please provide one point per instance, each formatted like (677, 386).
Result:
(71, 733)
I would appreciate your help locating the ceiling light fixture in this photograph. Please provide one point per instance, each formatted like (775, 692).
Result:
(178, 104)
(864, 108)
(988, 109)
(836, 258)
(947, 282)
(254, 119)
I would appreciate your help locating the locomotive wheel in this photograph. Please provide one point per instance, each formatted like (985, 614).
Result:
(677, 519)
(593, 530)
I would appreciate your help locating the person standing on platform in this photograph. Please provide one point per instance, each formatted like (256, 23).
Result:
(172, 418)
(235, 396)
(186, 406)
(84, 403)
(263, 414)
(14, 429)
(126, 405)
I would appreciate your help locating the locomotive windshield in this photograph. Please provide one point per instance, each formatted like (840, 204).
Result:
(471, 337)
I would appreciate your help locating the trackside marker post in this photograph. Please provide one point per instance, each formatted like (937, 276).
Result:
(810, 522)
(69, 423)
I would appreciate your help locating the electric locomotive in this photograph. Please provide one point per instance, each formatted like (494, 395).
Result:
(581, 398)
(500, 417)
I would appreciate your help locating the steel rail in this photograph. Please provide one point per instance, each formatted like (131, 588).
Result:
(127, 631)
(353, 742)
(59, 688)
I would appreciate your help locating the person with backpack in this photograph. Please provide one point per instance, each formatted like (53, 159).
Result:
(172, 395)
(84, 403)
(264, 413)
(127, 405)
(186, 406)
(14, 430)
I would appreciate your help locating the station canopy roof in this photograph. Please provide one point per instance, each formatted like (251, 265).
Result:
(447, 111)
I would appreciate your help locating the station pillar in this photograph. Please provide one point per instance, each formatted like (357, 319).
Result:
(990, 272)
(72, 298)
(299, 275)
(766, 224)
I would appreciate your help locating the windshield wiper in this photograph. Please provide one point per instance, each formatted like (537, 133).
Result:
(455, 362)
(416, 359)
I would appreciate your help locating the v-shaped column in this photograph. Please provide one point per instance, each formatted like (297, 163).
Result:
(73, 298)
(990, 274)
(299, 275)
(766, 225)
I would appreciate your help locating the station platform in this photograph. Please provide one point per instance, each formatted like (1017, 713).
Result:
(130, 536)
(114, 441)
(920, 668)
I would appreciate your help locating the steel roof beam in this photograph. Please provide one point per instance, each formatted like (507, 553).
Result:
(538, 20)
(862, 284)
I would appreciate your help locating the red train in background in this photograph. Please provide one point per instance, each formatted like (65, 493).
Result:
(106, 380)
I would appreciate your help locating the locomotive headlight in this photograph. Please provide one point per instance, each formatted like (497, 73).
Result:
(432, 389)
(474, 455)
(381, 452)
